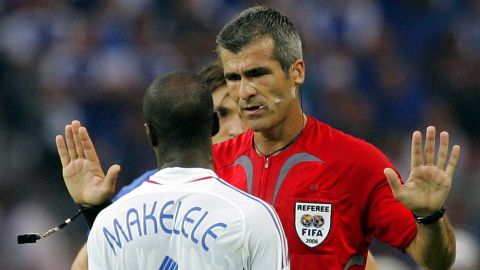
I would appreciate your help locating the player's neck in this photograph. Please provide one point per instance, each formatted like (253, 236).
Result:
(188, 158)
(276, 140)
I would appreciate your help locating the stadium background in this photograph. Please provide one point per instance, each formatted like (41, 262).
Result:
(375, 69)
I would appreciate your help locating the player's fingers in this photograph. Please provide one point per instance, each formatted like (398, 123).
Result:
(393, 180)
(111, 177)
(76, 138)
(452, 163)
(72, 152)
(430, 145)
(62, 150)
(87, 144)
(416, 159)
(442, 150)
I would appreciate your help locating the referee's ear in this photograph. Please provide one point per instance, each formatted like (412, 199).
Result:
(215, 124)
(151, 137)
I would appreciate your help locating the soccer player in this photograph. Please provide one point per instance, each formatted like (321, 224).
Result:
(230, 126)
(184, 216)
(228, 114)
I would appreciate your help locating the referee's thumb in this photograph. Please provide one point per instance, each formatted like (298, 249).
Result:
(393, 180)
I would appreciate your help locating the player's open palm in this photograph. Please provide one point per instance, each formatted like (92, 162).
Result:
(82, 172)
(427, 187)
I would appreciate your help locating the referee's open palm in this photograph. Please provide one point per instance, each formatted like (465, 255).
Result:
(82, 172)
(427, 187)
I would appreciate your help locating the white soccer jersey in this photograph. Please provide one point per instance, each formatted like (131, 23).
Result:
(187, 219)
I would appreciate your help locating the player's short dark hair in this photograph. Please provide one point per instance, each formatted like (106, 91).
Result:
(178, 108)
(213, 75)
(259, 22)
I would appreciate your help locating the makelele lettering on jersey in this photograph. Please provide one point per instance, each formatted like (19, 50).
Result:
(136, 223)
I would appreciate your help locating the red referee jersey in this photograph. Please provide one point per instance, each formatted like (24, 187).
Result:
(328, 189)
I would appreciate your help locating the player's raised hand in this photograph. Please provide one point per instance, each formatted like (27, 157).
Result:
(427, 187)
(82, 172)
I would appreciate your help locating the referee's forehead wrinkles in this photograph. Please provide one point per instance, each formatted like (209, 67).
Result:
(250, 56)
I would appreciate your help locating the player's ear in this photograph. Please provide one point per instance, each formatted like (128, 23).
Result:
(151, 137)
(215, 124)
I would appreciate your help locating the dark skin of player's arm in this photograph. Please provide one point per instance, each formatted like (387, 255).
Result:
(425, 193)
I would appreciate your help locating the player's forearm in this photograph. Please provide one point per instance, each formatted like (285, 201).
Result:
(434, 245)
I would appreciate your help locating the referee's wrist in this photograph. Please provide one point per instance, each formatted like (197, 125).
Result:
(431, 219)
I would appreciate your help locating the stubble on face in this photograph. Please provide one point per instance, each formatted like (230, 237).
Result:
(258, 85)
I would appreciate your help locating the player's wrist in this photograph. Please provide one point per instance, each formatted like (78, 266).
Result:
(90, 212)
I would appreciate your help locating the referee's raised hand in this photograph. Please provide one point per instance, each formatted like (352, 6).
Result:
(82, 172)
(428, 185)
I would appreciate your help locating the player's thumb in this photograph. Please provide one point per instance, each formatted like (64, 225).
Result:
(112, 175)
(393, 180)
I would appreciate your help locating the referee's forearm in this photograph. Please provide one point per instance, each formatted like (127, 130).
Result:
(434, 246)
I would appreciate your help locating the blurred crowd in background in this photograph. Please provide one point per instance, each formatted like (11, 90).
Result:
(377, 69)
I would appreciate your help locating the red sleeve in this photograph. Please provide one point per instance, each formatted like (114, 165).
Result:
(390, 221)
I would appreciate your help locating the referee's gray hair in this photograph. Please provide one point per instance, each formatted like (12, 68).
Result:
(259, 22)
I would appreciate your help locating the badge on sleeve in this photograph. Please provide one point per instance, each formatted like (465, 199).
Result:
(312, 222)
